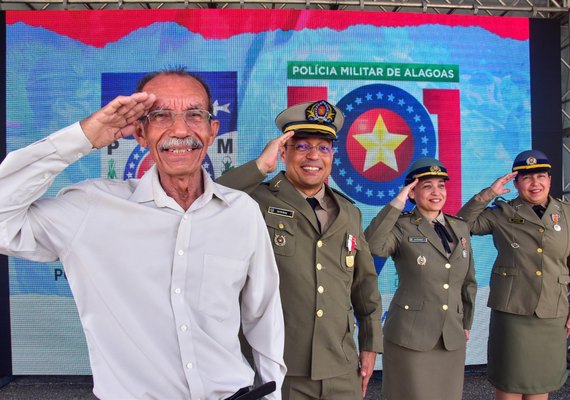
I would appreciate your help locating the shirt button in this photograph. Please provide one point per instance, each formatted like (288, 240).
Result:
(189, 365)
(319, 266)
(447, 266)
(445, 286)
(79, 155)
(539, 250)
(281, 226)
(445, 307)
(320, 289)
(183, 328)
(538, 273)
(406, 307)
(180, 252)
(541, 230)
(185, 216)
(320, 243)
(320, 313)
(177, 290)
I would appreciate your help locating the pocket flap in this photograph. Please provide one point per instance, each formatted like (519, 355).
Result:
(506, 271)
(281, 223)
(410, 304)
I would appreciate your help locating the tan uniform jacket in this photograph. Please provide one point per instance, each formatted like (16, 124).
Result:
(322, 285)
(530, 274)
(436, 294)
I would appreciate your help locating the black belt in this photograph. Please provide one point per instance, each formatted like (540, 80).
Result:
(250, 393)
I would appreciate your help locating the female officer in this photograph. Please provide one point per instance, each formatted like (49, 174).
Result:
(431, 313)
(528, 288)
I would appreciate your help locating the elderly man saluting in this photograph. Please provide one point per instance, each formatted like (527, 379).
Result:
(161, 319)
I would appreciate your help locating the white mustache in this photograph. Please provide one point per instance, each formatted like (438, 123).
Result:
(189, 142)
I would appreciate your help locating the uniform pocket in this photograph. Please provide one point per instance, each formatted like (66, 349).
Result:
(501, 286)
(505, 271)
(409, 304)
(282, 233)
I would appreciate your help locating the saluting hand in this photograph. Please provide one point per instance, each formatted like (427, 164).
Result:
(498, 187)
(116, 119)
(267, 160)
(405, 192)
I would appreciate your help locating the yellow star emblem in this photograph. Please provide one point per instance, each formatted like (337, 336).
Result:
(380, 145)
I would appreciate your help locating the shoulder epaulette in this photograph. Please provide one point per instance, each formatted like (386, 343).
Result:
(342, 195)
(454, 217)
(501, 199)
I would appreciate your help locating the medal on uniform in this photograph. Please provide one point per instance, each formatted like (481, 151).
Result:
(464, 245)
(350, 243)
(279, 240)
(351, 247)
(555, 218)
(421, 260)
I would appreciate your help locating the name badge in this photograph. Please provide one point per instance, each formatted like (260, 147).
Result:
(281, 211)
(516, 220)
(417, 239)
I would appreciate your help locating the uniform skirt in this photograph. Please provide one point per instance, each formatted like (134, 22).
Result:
(526, 354)
(422, 375)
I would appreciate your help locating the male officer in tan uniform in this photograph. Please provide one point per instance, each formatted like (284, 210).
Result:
(528, 288)
(326, 270)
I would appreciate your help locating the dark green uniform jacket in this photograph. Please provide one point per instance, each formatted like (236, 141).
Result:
(436, 293)
(530, 274)
(323, 286)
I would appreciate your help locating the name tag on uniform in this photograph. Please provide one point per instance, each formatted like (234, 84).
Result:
(516, 220)
(417, 239)
(281, 211)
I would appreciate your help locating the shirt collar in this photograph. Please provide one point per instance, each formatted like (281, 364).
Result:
(440, 217)
(320, 196)
(150, 189)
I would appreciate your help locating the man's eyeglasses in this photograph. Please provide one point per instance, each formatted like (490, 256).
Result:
(166, 118)
(303, 148)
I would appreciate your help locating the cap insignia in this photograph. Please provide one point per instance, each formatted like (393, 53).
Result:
(435, 168)
(321, 112)
(530, 161)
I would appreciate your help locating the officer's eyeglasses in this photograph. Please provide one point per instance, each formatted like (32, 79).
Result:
(166, 118)
(304, 148)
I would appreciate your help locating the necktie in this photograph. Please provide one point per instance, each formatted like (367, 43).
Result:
(443, 235)
(539, 210)
(313, 202)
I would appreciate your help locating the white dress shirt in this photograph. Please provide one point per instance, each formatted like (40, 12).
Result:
(157, 288)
